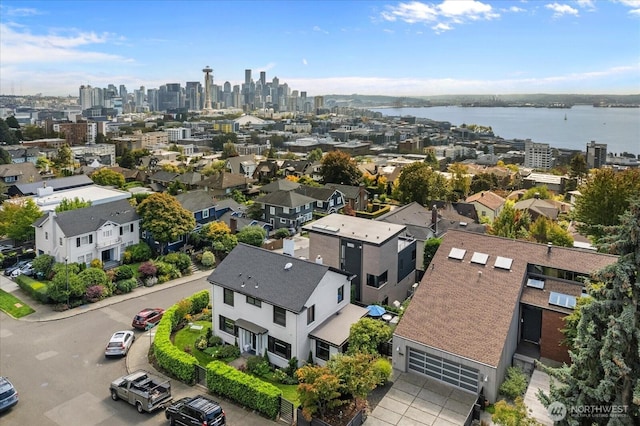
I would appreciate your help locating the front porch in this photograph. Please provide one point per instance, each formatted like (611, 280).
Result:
(526, 355)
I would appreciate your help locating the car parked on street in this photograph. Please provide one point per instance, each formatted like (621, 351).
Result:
(197, 410)
(8, 394)
(147, 318)
(120, 343)
(17, 265)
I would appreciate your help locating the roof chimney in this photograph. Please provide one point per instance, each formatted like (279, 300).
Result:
(549, 245)
(319, 259)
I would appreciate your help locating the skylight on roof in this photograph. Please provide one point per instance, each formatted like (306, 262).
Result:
(480, 258)
(535, 283)
(503, 263)
(457, 253)
(562, 300)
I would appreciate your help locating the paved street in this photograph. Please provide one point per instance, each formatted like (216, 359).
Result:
(56, 360)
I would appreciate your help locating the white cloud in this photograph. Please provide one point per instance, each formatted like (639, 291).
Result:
(388, 31)
(19, 11)
(560, 10)
(23, 47)
(586, 4)
(443, 15)
(633, 4)
(320, 30)
(268, 67)
(304, 61)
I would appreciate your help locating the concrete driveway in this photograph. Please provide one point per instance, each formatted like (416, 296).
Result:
(420, 401)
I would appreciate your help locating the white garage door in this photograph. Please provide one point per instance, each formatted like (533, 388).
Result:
(447, 371)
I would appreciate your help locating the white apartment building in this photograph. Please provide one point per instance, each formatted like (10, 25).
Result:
(537, 155)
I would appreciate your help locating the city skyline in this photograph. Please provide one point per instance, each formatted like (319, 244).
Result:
(366, 47)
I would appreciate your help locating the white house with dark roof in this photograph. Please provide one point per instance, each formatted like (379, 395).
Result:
(285, 306)
(487, 303)
(97, 232)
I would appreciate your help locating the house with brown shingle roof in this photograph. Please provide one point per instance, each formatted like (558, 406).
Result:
(488, 204)
(486, 303)
(538, 207)
(224, 183)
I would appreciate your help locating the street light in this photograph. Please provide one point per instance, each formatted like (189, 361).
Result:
(66, 270)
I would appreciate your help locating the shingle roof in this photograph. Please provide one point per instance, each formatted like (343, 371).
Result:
(458, 310)
(486, 198)
(163, 176)
(256, 267)
(89, 219)
(285, 199)
(279, 185)
(57, 184)
(317, 193)
(541, 207)
(349, 191)
(197, 200)
(225, 180)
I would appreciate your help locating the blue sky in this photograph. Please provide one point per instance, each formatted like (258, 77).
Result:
(406, 48)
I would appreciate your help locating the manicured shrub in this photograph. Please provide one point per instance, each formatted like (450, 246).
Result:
(199, 301)
(93, 276)
(94, 293)
(257, 365)
(208, 259)
(515, 384)
(281, 233)
(228, 351)
(126, 286)
(382, 369)
(166, 271)
(140, 252)
(43, 264)
(201, 343)
(33, 288)
(247, 390)
(180, 260)
(147, 269)
(96, 263)
(123, 272)
(215, 341)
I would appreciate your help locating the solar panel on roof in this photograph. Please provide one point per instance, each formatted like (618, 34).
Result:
(503, 263)
(480, 258)
(457, 253)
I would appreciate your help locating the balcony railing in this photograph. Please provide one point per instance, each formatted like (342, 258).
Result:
(108, 242)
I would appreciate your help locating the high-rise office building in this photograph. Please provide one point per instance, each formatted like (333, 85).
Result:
(85, 97)
(537, 155)
(152, 100)
(596, 155)
(194, 96)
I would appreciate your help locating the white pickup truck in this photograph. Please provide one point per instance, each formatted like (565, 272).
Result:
(146, 392)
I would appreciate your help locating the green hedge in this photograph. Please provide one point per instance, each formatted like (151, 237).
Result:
(34, 288)
(244, 389)
(375, 214)
(170, 358)
(199, 301)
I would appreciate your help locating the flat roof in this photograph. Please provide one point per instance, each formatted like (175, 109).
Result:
(365, 230)
(335, 329)
(94, 193)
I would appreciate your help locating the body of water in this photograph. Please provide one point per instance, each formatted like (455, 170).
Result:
(619, 128)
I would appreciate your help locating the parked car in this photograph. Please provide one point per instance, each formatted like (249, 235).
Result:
(147, 392)
(8, 394)
(27, 270)
(197, 410)
(147, 318)
(120, 343)
(18, 265)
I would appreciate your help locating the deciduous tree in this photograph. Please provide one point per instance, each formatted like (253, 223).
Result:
(544, 231)
(419, 182)
(511, 223)
(16, 219)
(430, 249)
(315, 155)
(513, 415)
(71, 204)
(367, 334)
(318, 391)
(253, 235)
(339, 167)
(108, 177)
(165, 218)
(605, 368)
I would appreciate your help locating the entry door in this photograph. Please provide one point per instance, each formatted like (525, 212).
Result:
(531, 324)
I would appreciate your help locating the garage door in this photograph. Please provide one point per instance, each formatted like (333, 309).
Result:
(442, 369)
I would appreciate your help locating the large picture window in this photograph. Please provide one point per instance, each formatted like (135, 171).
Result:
(228, 297)
(280, 316)
(280, 348)
(227, 325)
(322, 350)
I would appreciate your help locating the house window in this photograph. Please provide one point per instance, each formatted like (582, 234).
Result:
(89, 258)
(331, 203)
(318, 203)
(107, 233)
(280, 348)
(60, 241)
(121, 230)
(341, 293)
(205, 213)
(298, 209)
(307, 206)
(78, 242)
(311, 314)
(131, 228)
(227, 325)
(322, 350)
(46, 235)
(253, 301)
(285, 210)
(280, 316)
(228, 297)
(377, 281)
(272, 211)
(80, 259)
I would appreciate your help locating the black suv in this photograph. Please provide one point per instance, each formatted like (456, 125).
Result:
(197, 411)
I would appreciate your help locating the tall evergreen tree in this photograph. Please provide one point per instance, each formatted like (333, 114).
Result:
(605, 369)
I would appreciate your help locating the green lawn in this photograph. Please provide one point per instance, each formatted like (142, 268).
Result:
(14, 306)
(187, 337)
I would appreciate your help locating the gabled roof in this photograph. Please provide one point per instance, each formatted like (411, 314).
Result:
(234, 163)
(297, 165)
(197, 200)
(285, 199)
(89, 219)
(349, 191)
(189, 178)
(279, 185)
(224, 180)
(57, 184)
(262, 274)
(230, 203)
(461, 311)
(416, 218)
(538, 206)
(163, 176)
(488, 199)
(317, 193)
(26, 172)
